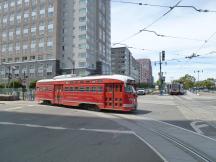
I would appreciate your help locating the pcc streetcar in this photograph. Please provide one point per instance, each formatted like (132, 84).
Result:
(175, 89)
(110, 92)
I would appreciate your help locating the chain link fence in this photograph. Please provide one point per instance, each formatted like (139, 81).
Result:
(19, 93)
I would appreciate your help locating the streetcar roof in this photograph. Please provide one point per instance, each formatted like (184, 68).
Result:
(122, 78)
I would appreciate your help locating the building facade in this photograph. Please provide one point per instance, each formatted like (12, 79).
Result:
(145, 72)
(44, 38)
(124, 63)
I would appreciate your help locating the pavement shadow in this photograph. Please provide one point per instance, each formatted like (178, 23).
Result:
(138, 111)
(142, 112)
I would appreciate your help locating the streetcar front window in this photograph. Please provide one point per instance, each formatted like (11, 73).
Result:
(130, 89)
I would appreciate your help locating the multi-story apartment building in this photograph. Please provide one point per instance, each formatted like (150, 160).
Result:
(124, 63)
(44, 38)
(145, 72)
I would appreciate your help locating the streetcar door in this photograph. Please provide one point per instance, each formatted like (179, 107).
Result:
(113, 96)
(58, 91)
(109, 95)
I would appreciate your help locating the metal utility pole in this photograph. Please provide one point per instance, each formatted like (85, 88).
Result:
(198, 71)
(160, 74)
(161, 58)
(73, 65)
(9, 75)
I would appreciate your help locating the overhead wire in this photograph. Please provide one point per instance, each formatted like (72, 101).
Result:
(164, 6)
(136, 48)
(156, 20)
(175, 37)
(212, 35)
(162, 35)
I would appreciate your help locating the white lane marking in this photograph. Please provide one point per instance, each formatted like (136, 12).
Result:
(197, 127)
(141, 117)
(32, 125)
(14, 108)
(151, 147)
(64, 128)
(108, 131)
(31, 105)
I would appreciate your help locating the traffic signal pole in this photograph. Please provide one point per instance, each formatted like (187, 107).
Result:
(160, 74)
(161, 58)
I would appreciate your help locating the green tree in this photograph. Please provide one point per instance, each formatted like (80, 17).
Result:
(144, 85)
(15, 84)
(33, 84)
(2, 85)
(158, 82)
(208, 83)
(187, 81)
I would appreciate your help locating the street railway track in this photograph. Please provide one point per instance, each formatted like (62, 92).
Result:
(193, 152)
(198, 116)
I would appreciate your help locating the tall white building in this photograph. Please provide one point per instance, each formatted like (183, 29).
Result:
(85, 35)
(44, 38)
(124, 63)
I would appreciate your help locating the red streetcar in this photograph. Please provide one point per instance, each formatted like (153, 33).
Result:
(110, 92)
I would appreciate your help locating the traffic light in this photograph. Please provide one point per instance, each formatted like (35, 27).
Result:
(163, 55)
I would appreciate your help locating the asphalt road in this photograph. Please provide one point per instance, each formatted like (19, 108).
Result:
(31, 132)
(192, 112)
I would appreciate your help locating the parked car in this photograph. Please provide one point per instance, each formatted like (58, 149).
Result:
(141, 92)
(205, 90)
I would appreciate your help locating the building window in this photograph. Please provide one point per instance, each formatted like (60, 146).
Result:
(32, 58)
(18, 32)
(82, 64)
(82, 36)
(50, 28)
(82, 10)
(82, 28)
(34, 14)
(19, 2)
(50, 44)
(40, 57)
(24, 58)
(42, 13)
(17, 59)
(41, 29)
(82, 46)
(50, 11)
(82, 55)
(82, 19)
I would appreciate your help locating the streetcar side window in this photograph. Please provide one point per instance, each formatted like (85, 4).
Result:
(129, 89)
(116, 88)
(81, 89)
(87, 89)
(71, 89)
(100, 89)
(66, 89)
(120, 88)
(93, 89)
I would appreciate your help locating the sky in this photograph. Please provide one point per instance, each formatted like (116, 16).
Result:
(128, 19)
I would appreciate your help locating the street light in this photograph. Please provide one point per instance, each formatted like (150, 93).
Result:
(198, 71)
(13, 68)
(73, 65)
